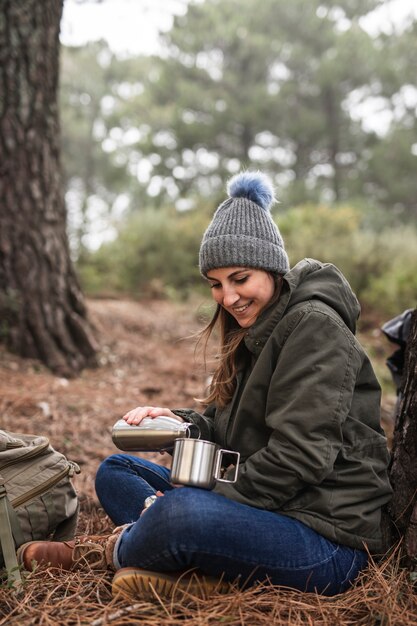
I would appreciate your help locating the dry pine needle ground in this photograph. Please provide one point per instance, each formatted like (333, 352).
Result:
(144, 360)
(382, 596)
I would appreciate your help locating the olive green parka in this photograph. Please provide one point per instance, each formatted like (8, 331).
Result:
(305, 416)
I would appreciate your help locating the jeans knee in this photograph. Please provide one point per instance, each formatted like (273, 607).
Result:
(185, 498)
(188, 507)
(105, 468)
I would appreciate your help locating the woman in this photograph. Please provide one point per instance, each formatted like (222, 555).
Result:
(295, 394)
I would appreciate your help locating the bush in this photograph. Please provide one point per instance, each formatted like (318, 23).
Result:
(319, 232)
(380, 265)
(156, 254)
(394, 287)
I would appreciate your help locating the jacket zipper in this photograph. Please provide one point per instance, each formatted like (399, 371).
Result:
(47, 484)
(233, 408)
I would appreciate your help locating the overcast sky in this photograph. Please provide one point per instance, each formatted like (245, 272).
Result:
(131, 26)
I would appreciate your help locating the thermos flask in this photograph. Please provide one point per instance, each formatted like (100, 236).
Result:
(151, 435)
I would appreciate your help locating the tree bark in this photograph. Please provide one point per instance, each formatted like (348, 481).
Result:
(41, 305)
(403, 471)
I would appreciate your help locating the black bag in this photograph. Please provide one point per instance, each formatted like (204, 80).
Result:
(397, 331)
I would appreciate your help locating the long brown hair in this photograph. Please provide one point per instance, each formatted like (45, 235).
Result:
(232, 351)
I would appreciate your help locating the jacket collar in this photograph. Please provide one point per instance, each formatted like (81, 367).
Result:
(259, 333)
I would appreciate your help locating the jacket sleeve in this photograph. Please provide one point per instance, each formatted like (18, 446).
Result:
(308, 399)
(204, 421)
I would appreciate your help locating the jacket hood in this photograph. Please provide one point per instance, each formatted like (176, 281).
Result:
(312, 280)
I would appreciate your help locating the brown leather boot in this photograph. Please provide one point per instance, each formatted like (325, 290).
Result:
(95, 551)
(136, 583)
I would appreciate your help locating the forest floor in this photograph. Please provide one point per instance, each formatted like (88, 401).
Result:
(147, 357)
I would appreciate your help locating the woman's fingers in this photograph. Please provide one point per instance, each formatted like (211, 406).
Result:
(135, 416)
(158, 410)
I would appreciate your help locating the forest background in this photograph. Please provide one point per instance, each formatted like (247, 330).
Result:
(308, 91)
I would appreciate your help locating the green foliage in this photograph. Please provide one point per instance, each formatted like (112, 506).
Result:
(263, 84)
(98, 160)
(275, 85)
(314, 231)
(394, 287)
(389, 168)
(380, 265)
(156, 254)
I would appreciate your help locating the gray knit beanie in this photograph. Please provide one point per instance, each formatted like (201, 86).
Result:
(242, 231)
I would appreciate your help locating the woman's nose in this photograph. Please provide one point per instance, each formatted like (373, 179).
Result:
(230, 297)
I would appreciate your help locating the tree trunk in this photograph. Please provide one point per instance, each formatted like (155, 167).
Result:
(403, 473)
(42, 310)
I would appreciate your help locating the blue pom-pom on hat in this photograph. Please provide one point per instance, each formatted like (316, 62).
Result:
(254, 186)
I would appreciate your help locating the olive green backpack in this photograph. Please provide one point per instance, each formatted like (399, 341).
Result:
(37, 498)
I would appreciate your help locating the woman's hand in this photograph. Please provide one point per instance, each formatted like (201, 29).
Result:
(135, 416)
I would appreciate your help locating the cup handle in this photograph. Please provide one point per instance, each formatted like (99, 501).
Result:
(219, 458)
(189, 430)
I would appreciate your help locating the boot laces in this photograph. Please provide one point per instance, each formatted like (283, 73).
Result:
(91, 552)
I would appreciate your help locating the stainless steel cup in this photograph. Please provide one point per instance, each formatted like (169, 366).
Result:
(150, 435)
(197, 463)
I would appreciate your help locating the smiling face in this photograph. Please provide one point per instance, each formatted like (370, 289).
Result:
(244, 292)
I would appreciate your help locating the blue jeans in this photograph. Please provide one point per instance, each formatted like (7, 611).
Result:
(195, 528)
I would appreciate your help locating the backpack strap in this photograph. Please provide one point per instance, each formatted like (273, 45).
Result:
(15, 524)
(6, 540)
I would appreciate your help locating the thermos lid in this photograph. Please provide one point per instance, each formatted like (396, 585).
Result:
(162, 422)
